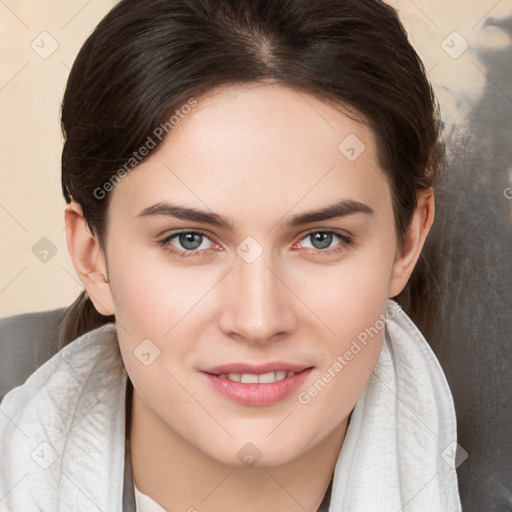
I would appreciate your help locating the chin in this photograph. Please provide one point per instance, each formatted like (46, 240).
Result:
(257, 453)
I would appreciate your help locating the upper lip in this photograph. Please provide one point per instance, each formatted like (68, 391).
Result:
(260, 369)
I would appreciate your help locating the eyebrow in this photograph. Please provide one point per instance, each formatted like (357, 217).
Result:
(340, 209)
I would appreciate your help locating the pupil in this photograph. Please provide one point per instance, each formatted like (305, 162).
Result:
(191, 240)
(321, 240)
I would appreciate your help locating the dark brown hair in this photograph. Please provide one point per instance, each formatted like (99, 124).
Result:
(147, 58)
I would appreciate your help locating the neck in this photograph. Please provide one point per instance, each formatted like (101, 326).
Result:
(178, 476)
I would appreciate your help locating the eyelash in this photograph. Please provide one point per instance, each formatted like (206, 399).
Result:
(346, 241)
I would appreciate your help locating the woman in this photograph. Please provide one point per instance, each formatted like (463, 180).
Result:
(249, 184)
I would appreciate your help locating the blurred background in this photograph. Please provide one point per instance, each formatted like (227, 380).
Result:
(39, 42)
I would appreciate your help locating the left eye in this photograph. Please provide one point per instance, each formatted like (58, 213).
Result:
(188, 240)
(322, 240)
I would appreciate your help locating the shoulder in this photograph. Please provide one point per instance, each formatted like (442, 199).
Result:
(27, 340)
(67, 405)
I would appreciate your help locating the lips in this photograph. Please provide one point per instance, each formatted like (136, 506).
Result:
(257, 385)
(252, 378)
(256, 369)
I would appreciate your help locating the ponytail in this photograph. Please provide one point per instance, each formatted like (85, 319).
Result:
(80, 317)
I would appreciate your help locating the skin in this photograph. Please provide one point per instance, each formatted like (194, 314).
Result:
(256, 154)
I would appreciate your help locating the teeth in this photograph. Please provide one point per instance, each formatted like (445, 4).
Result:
(267, 377)
(251, 378)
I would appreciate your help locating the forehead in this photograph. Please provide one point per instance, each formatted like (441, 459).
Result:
(258, 146)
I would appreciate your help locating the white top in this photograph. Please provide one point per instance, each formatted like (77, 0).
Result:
(62, 432)
(146, 504)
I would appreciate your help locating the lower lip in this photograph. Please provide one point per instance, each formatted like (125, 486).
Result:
(258, 394)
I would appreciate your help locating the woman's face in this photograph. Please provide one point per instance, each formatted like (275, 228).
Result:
(286, 256)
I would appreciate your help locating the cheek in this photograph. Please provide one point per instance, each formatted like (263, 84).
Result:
(351, 302)
(335, 391)
(349, 359)
(158, 308)
(349, 296)
(150, 295)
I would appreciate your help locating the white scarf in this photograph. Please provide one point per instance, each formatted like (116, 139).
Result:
(399, 450)
(62, 442)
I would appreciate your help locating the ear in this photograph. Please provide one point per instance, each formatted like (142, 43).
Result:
(407, 255)
(88, 259)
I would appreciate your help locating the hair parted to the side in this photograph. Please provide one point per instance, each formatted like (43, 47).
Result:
(147, 58)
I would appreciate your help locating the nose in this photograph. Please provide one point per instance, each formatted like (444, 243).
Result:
(257, 306)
